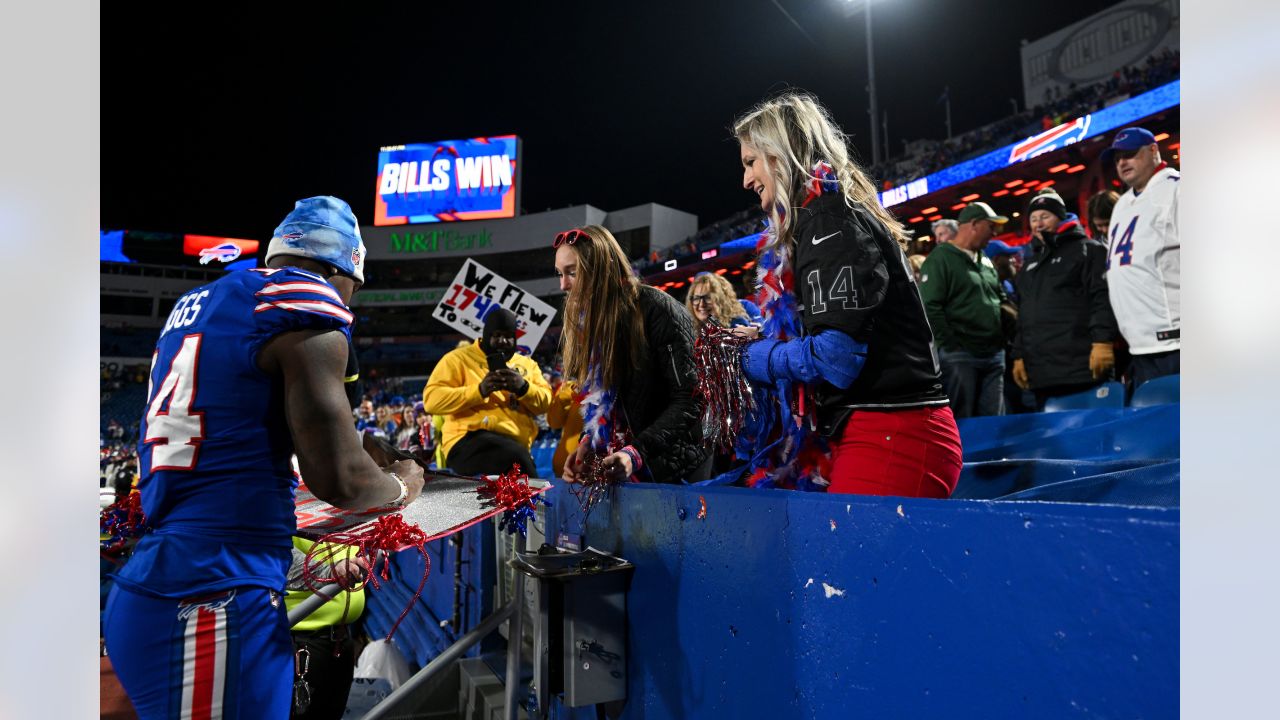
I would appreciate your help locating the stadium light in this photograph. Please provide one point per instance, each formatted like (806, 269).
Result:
(1013, 183)
(1059, 168)
(916, 219)
(958, 206)
(1162, 137)
(853, 6)
(1074, 169)
(935, 217)
(1023, 191)
(971, 198)
(1000, 193)
(928, 210)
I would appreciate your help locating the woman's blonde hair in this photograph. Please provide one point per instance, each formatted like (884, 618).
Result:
(724, 301)
(602, 321)
(792, 132)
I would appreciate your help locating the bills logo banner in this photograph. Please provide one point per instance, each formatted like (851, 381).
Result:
(1050, 140)
(446, 181)
(226, 252)
(477, 290)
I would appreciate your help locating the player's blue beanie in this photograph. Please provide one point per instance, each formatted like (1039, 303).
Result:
(321, 228)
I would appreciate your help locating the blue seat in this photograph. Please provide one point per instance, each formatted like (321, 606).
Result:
(1107, 395)
(1157, 391)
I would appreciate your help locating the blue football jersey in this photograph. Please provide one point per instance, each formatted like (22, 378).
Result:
(214, 446)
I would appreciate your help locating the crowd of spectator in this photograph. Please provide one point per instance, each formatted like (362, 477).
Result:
(1058, 107)
(121, 391)
(740, 224)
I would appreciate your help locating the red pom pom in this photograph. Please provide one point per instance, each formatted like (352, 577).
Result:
(374, 544)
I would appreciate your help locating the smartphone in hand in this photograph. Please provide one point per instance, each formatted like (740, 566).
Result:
(496, 362)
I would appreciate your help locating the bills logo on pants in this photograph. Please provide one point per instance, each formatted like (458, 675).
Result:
(223, 655)
(204, 655)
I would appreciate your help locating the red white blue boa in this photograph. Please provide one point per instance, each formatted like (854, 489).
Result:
(784, 449)
(595, 402)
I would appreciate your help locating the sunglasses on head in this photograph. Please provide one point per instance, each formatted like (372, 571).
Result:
(569, 237)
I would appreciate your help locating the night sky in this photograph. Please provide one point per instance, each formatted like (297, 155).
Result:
(218, 124)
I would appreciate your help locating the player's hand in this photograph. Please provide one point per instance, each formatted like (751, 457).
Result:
(1102, 357)
(748, 332)
(491, 383)
(1020, 374)
(617, 466)
(411, 473)
(574, 463)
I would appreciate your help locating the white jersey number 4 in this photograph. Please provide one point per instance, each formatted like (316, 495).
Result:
(174, 432)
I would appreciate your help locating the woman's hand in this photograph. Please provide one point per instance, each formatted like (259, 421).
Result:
(573, 464)
(747, 332)
(617, 466)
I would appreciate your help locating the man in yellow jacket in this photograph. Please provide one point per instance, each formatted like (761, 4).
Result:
(489, 414)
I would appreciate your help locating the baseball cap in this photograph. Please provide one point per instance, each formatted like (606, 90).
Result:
(1130, 138)
(996, 248)
(321, 228)
(980, 211)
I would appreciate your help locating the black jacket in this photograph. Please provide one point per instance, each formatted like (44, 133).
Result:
(657, 401)
(856, 279)
(1063, 309)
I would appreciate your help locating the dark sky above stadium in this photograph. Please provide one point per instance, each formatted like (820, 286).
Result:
(216, 123)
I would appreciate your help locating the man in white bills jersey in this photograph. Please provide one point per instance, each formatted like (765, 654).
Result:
(1143, 267)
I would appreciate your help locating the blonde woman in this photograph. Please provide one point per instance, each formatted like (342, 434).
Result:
(629, 347)
(856, 362)
(710, 295)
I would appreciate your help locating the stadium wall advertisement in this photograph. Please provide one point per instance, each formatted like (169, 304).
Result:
(449, 180)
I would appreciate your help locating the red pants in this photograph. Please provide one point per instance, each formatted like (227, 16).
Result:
(908, 453)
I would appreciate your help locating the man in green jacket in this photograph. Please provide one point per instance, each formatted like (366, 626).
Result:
(962, 297)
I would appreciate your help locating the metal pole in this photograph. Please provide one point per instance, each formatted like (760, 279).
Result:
(303, 610)
(871, 86)
(885, 127)
(442, 661)
(948, 112)
(515, 641)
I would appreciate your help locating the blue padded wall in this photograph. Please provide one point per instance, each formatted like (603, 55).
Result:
(783, 604)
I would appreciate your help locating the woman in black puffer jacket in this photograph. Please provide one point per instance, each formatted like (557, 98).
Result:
(1065, 325)
(629, 347)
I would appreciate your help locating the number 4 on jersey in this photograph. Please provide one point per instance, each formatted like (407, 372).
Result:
(1124, 248)
(174, 432)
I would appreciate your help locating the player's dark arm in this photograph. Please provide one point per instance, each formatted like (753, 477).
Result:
(331, 458)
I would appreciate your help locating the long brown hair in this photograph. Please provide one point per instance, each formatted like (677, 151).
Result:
(793, 132)
(602, 322)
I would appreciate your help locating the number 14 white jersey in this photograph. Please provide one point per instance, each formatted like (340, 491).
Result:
(1143, 266)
